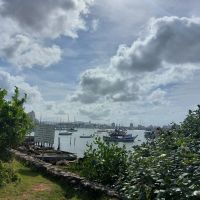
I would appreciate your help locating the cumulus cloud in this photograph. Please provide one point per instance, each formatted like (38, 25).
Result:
(35, 100)
(24, 52)
(28, 28)
(47, 18)
(96, 83)
(8, 82)
(168, 54)
(170, 39)
(168, 75)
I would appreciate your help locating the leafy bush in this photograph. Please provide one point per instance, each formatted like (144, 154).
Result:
(168, 167)
(7, 174)
(191, 125)
(104, 162)
(14, 125)
(14, 122)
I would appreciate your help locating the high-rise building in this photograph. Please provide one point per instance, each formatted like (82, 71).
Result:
(32, 117)
(113, 125)
(131, 125)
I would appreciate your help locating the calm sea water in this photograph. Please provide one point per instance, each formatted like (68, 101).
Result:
(73, 143)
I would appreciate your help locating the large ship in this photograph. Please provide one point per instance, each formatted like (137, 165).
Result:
(119, 135)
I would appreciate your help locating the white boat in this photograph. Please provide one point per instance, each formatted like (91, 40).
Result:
(72, 129)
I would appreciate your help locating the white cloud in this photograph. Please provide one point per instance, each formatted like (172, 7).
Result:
(98, 83)
(47, 18)
(8, 82)
(170, 39)
(24, 52)
(35, 100)
(168, 54)
(28, 28)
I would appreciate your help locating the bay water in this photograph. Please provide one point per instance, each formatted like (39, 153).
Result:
(74, 144)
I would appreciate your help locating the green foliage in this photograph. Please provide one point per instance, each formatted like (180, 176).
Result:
(169, 170)
(191, 125)
(14, 125)
(7, 174)
(104, 162)
(168, 167)
(14, 122)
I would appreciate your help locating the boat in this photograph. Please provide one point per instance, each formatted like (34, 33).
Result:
(86, 136)
(65, 133)
(118, 132)
(124, 138)
(72, 129)
(101, 131)
(119, 135)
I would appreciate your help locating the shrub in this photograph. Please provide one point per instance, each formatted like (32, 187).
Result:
(7, 173)
(166, 168)
(14, 122)
(191, 124)
(104, 162)
(14, 125)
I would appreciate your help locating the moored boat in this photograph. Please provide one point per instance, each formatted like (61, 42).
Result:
(124, 138)
(118, 132)
(65, 133)
(72, 129)
(101, 131)
(86, 136)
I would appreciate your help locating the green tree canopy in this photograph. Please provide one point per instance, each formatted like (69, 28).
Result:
(191, 124)
(167, 167)
(14, 121)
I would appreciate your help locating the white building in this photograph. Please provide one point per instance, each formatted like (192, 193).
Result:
(44, 133)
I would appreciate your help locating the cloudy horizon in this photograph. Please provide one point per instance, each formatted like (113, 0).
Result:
(103, 61)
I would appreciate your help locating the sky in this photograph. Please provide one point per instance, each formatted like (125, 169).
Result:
(103, 61)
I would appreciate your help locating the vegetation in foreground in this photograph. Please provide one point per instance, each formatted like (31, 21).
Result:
(167, 167)
(104, 162)
(14, 125)
(31, 185)
(17, 181)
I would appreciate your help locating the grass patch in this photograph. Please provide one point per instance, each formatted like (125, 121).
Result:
(33, 185)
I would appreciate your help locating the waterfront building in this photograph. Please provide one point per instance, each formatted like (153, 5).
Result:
(44, 134)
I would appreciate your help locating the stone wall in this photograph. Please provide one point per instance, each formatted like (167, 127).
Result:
(67, 177)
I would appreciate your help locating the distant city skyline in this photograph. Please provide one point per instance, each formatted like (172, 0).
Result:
(90, 124)
(122, 61)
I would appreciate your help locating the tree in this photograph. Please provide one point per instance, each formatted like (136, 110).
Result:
(104, 162)
(191, 124)
(14, 122)
(168, 167)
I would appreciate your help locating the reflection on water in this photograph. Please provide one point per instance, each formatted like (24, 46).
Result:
(73, 143)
